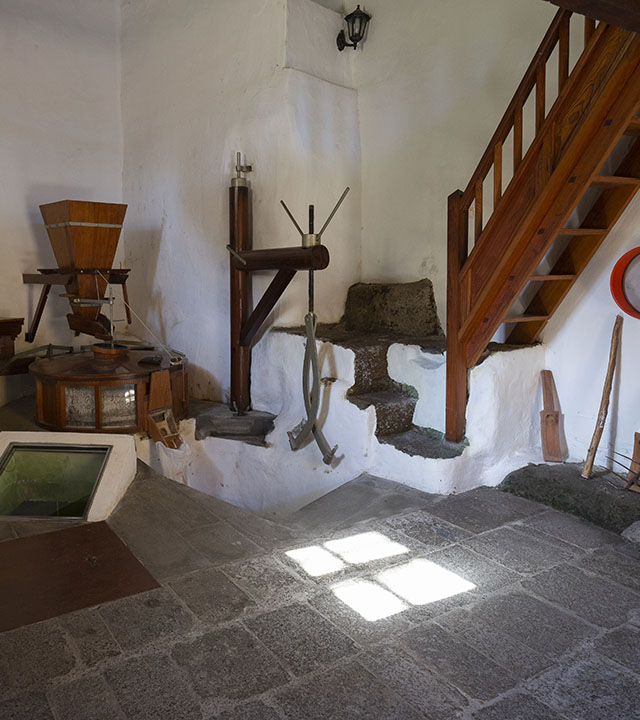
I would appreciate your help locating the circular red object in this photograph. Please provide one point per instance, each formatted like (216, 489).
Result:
(617, 283)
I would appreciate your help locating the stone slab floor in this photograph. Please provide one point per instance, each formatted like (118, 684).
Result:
(376, 601)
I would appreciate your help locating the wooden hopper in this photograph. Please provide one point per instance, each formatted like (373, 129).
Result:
(84, 237)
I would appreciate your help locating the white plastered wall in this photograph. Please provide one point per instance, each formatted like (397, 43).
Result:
(201, 81)
(61, 139)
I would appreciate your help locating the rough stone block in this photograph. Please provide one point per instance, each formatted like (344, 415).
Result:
(572, 530)
(520, 551)
(146, 618)
(597, 600)
(430, 530)
(622, 567)
(211, 596)
(463, 666)
(589, 688)
(301, 637)
(153, 687)
(229, 663)
(403, 308)
(221, 543)
(217, 420)
(33, 654)
(417, 684)
(250, 711)
(266, 580)
(88, 697)
(621, 645)
(91, 636)
(347, 691)
(517, 707)
(484, 509)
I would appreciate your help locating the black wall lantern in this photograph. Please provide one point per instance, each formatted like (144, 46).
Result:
(357, 22)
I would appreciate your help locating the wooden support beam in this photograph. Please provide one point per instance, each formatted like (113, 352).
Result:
(30, 336)
(292, 258)
(623, 13)
(267, 302)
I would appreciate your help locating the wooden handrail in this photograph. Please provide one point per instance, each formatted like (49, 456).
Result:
(480, 284)
(544, 52)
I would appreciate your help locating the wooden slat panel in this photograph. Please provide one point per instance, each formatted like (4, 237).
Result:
(517, 138)
(541, 94)
(589, 29)
(478, 210)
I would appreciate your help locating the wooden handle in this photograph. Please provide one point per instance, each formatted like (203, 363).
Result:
(604, 403)
(547, 390)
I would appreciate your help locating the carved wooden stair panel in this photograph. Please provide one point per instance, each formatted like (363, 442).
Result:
(596, 105)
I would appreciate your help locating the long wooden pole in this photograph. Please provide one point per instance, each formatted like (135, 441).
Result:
(604, 403)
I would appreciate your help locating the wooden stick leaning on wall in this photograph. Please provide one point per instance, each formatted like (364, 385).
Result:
(604, 403)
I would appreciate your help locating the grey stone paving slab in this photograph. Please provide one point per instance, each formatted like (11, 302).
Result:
(33, 706)
(88, 697)
(153, 686)
(146, 618)
(520, 659)
(430, 530)
(418, 685)
(33, 654)
(250, 711)
(544, 628)
(265, 533)
(484, 509)
(572, 530)
(266, 579)
(301, 637)
(519, 551)
(347, 692)
(597, 600)
(622, 567)
(357, 627)
(161, 550)
(520, 706)
(221, 543)
(485, 574)
(229, 663)
(211, 595)
(365, 498)
(463, 666)
(91, 636)
(589, 688)
(623, 646)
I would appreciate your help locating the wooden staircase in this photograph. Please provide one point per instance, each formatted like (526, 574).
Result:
(530, 240)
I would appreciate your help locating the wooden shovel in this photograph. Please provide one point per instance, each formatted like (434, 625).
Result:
(550, 421)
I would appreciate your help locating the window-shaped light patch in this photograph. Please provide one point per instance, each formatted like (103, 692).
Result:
(365, 547)
(316, 561)
(421, 581)
(368, 599)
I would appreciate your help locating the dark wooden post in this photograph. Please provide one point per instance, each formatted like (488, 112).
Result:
(456, 402)
(240, 240)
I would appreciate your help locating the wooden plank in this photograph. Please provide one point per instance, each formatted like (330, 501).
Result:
(517, 138)
(633, 128)
(563, 51)
(524, 318)
(589, 29)
(581, 232)
(293, 258)
(550, 421)
(160, 390)
(552, 278)
(30, 336)
(48, 575)
(541, 95)
(478, 210)
(609, 180)
(456, 396)
(497, 174)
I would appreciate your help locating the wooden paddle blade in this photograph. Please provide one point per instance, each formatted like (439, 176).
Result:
(550, 433)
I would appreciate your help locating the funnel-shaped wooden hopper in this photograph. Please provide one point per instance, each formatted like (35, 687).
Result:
(84, 236)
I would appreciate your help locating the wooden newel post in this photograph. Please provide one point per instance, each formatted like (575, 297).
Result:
(456, 402)
(240, 239)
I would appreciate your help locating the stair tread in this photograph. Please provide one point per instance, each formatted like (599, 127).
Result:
(583, 231)
(633, 127)
(424, 442)
(608, 180)
(525, 318)
(550, 277)
(383, 397)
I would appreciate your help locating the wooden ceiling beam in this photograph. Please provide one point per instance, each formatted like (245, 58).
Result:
(623, 13)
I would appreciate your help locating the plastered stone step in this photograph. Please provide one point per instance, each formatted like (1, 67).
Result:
(394, 409)
(371, 373)
(425, 442)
